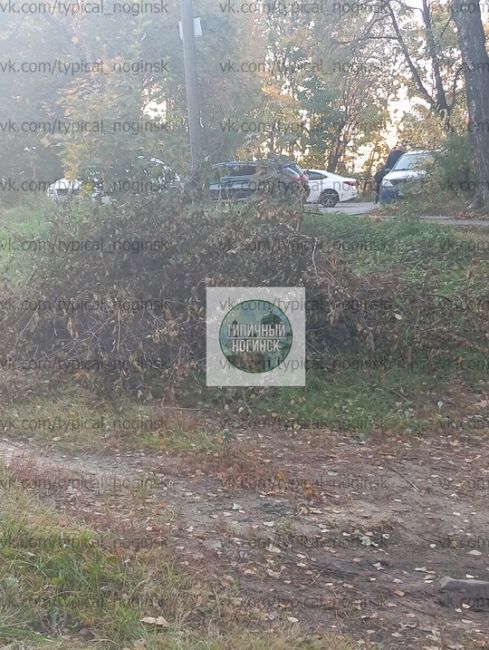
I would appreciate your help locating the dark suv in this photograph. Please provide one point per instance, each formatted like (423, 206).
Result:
(239, 181)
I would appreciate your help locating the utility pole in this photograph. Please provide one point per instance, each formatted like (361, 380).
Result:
(193, 104)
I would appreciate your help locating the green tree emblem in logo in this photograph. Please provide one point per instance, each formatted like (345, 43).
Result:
(255, 336)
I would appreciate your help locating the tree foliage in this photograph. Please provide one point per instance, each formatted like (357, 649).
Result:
(320, 87)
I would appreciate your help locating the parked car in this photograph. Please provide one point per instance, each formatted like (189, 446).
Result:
(147, 175)
(407, 175)
(329, 189)
(63, 189)
(237, 180)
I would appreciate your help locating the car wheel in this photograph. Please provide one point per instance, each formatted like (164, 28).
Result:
(329, 198)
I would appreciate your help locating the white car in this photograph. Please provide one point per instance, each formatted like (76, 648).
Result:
(329, 189)
(408, 172)
(149, 175)
(64, 189)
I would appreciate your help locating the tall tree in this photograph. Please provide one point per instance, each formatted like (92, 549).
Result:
(431, 37)
(472, 44)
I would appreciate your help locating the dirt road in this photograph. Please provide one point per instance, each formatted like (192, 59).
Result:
(318, 527)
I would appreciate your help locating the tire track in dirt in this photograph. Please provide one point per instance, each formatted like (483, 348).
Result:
(357, 543)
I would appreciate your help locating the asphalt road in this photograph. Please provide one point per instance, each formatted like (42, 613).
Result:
(353, 209)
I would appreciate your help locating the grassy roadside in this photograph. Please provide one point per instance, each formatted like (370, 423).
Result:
(419, 392)
(354, 393)
(20, 228)
(402, 400)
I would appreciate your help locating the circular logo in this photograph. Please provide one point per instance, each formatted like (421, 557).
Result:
(255, 336)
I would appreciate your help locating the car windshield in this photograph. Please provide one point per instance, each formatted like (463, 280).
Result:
(411, 161)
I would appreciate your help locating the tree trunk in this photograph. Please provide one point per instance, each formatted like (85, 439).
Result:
(441, 103)
(471, 41)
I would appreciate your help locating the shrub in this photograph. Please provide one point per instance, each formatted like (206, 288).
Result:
(124, 296)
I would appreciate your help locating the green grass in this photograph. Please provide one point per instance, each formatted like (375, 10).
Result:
(404, 243)
(58, 578)
(359, 401)
(29, 231)
(72, 417)
(66, 414)
(52, 577)
(20, 229)
(363, 399)
(355, 398)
